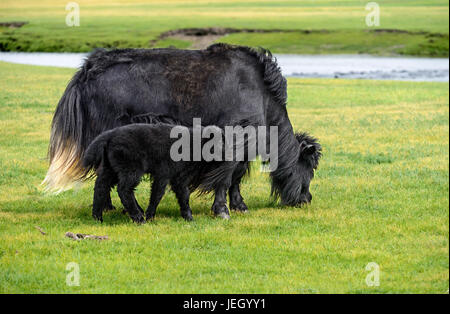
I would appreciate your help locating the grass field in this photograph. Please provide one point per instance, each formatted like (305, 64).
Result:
(380, 195)
(424, 25)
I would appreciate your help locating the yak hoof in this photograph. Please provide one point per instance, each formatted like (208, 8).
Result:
(221, 210)
(188, 217)
(223, 216)
(240, 207)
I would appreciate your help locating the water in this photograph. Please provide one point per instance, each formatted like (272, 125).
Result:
(327, 66)
(366, 67)
(66, 60)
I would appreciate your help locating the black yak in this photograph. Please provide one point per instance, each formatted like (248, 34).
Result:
(123, 155)
(220, 84)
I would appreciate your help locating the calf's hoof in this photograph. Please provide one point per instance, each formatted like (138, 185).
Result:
(98, 216)
(150, 214)
(139, 218)
(109, 208)
(241, 207)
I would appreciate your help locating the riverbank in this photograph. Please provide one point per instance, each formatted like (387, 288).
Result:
(382, 42)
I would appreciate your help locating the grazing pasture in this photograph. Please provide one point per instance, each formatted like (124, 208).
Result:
(420, 27)
(380, 195)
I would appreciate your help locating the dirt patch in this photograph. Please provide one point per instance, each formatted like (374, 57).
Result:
(399, 31)
(201, 38)
(12, 24)
(198, 42)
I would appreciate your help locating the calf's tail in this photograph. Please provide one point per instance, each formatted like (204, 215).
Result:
(95, 153)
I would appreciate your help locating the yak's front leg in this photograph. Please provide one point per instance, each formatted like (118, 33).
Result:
(182, 192)
(157, 192)
(220, 208)
(125, 189)
(236, 199)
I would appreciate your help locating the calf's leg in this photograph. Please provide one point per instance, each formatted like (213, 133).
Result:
(137, 205)
(157, 192)
(125, 189)
(102, 192)
(182, 192)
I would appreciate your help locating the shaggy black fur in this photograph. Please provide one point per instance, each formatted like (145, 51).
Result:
(148, 118)
(221, 85)
(290, 182)
(123, 155)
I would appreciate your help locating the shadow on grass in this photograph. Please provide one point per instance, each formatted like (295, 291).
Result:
(167, 210)
(75, 207)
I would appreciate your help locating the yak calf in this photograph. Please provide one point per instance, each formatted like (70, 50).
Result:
(123, 155)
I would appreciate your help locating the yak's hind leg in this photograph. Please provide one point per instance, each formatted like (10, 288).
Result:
(236, 199)
(182, 192)
(125, 189)
(106, 179)
(157, 192)
(221, 186)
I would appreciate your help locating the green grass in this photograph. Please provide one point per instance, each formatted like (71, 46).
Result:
(347, 42)
(380, 195)
(136, 23)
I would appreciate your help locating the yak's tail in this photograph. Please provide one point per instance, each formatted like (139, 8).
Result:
(95, 152)
(67, 141)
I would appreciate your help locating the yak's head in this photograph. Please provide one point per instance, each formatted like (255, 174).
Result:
(292, 184)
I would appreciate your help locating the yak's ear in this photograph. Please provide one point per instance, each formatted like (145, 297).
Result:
(307, 149)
